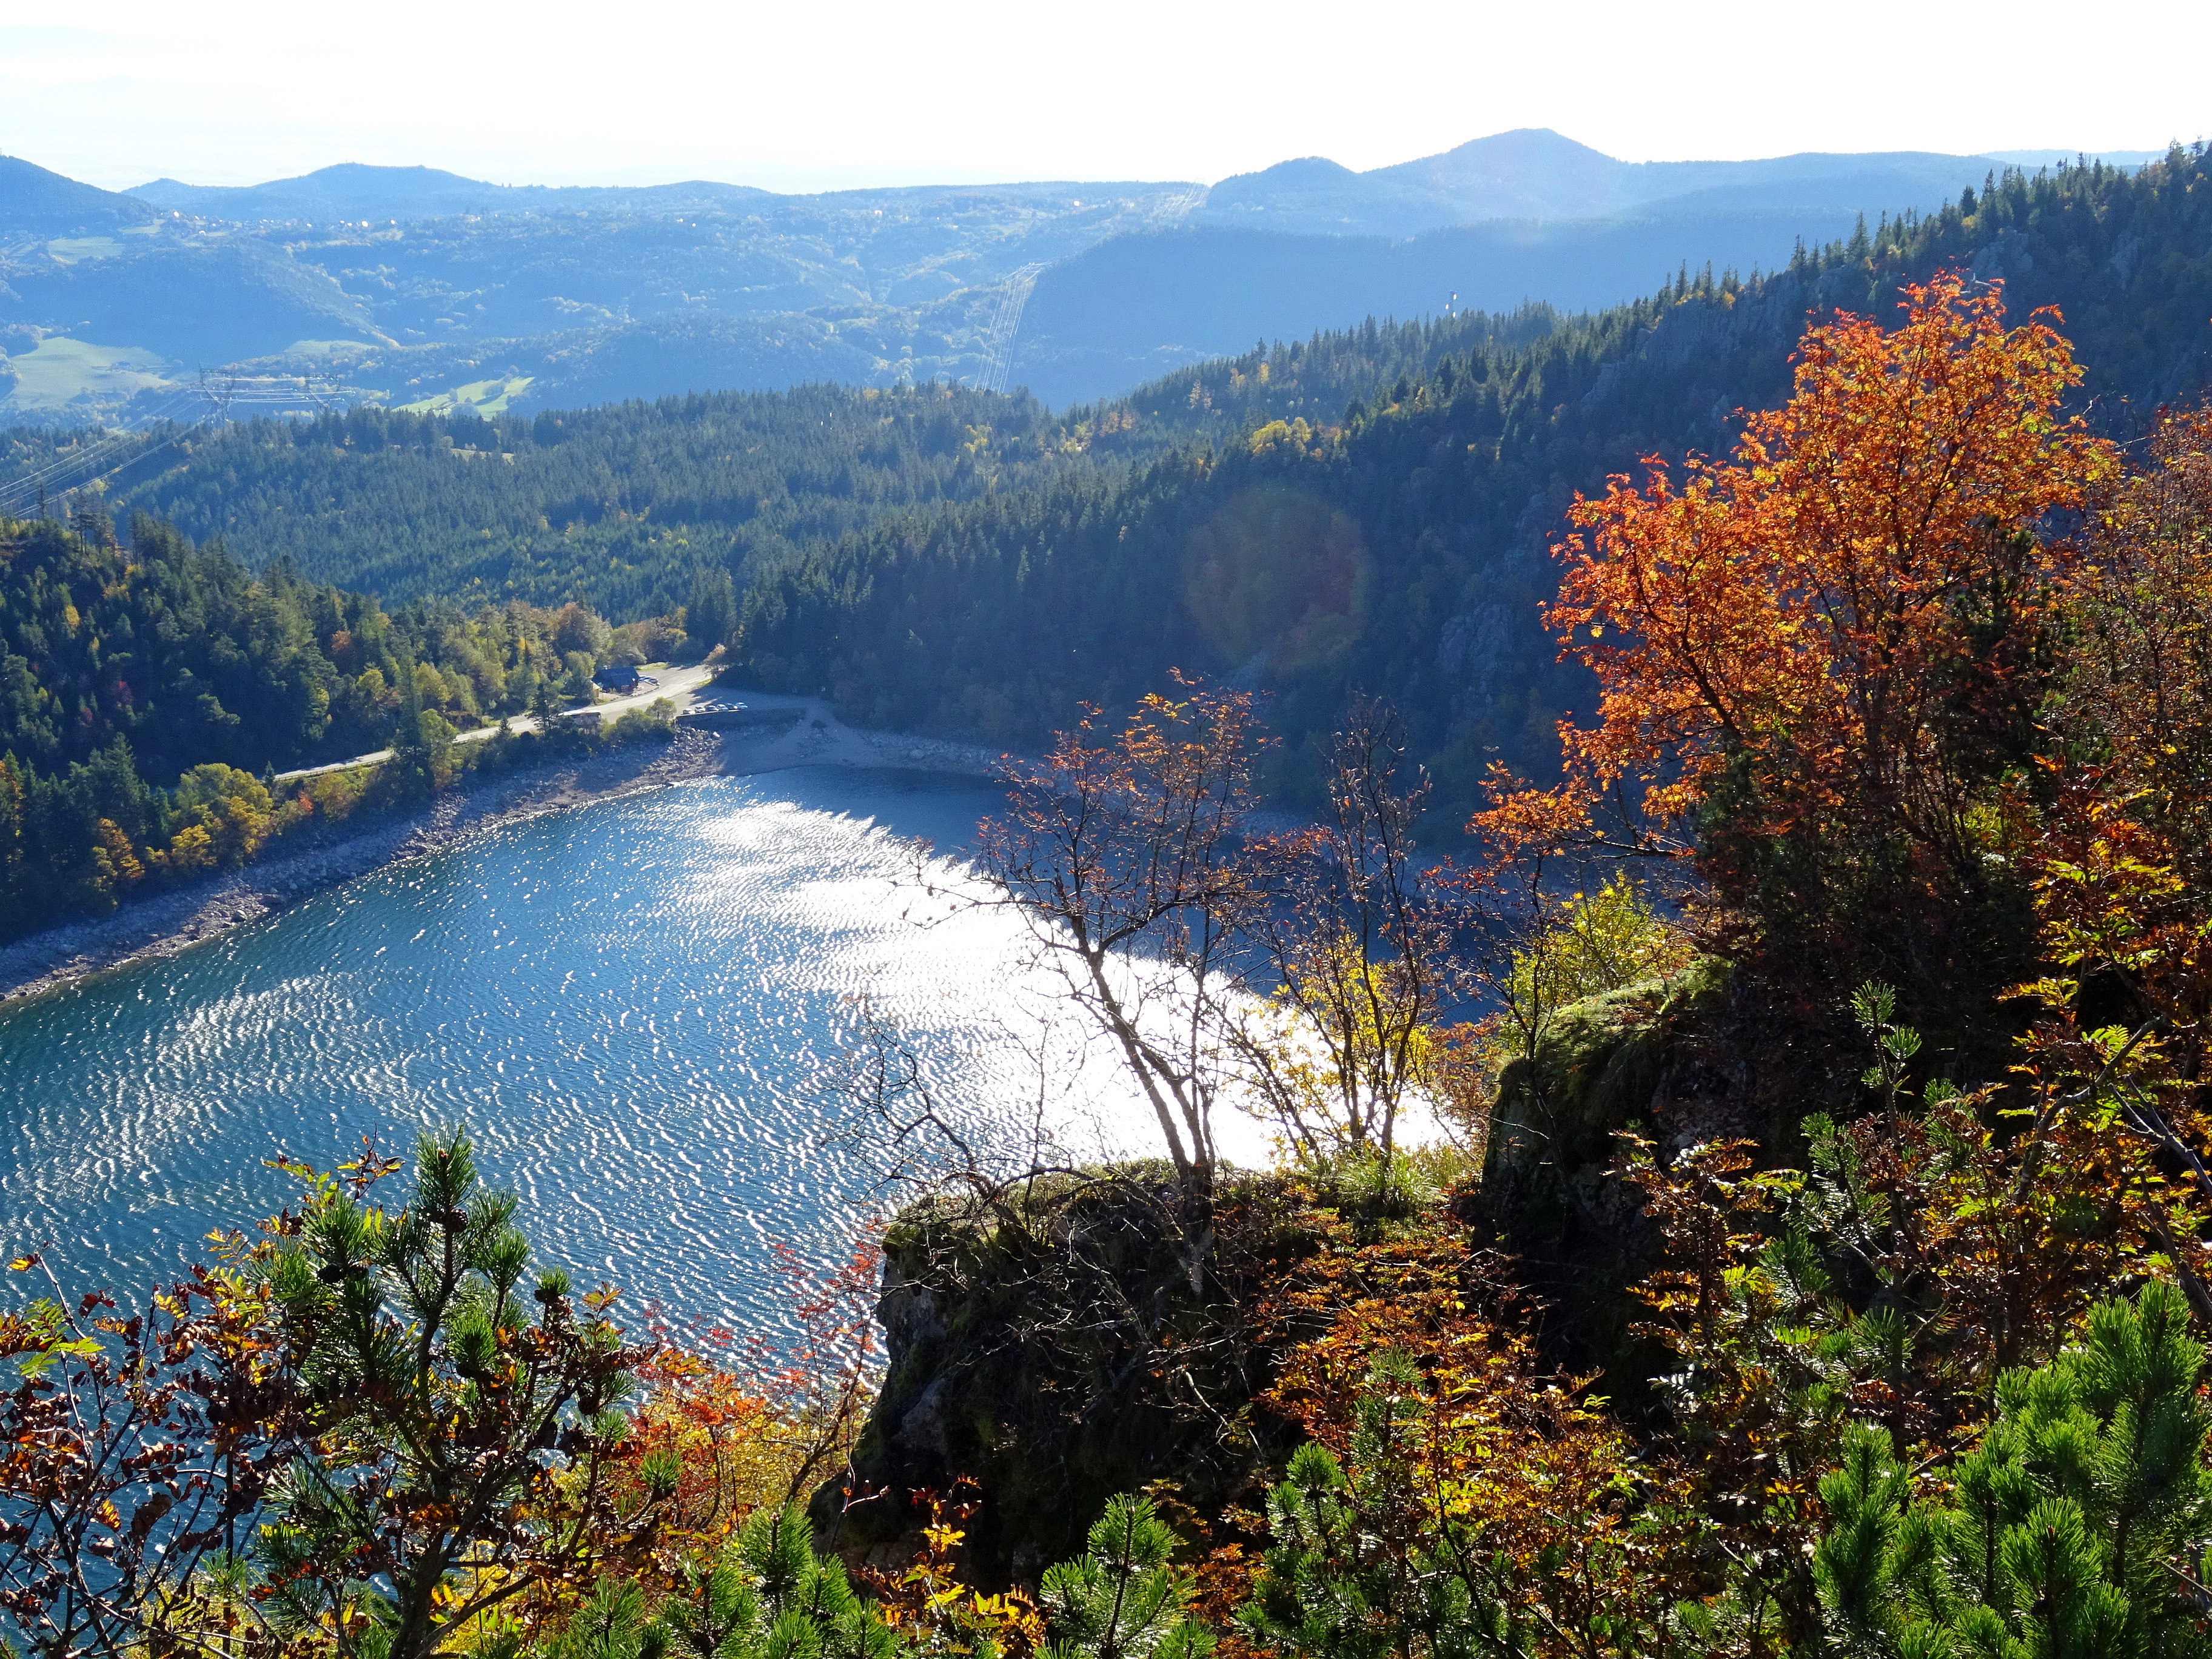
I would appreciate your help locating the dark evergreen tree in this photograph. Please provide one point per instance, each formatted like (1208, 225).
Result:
(711, 619)
(2078, 1526)
(1123, 1597)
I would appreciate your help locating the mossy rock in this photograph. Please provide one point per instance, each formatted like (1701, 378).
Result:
(1603, 1063)
(1056, 1364)
(1647, 1055)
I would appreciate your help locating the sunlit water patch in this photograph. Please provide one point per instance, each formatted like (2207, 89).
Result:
(634, 1007)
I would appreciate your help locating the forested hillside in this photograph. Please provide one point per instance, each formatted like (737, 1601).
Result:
(619, 507)
(1364, 508)
(1099, 319)
(143, 686)
(1397, 545)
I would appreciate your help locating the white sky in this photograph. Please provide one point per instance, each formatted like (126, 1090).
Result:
(807, 96)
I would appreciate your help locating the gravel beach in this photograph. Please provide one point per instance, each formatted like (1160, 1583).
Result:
(162, 925)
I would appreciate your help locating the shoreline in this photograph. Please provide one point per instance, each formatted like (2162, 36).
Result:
(158, 927)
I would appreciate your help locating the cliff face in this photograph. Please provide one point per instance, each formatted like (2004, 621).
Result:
(1702, 1055)
(1060, 1350)
(1057, 1346)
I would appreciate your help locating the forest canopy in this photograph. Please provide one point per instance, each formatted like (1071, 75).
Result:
(1367, 509)
(148, 691)
(1363, 513)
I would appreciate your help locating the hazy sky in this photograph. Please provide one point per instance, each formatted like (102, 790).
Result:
(801, 96)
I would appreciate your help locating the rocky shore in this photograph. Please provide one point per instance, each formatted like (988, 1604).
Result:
(161, 925)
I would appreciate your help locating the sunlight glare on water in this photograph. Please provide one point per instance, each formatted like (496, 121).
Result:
(634, 1007)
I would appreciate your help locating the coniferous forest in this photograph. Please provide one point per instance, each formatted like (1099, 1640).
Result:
(956, 561)
(1730, 1010)
(1364, 513)
(1380, 520)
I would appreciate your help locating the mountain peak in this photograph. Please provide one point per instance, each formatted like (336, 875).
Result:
(37, 203)
(1521, 144)
(362, 173)
(343, 190)
(1303, 173)
(1530, 172)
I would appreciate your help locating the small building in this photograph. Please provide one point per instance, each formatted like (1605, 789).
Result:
(618, 677)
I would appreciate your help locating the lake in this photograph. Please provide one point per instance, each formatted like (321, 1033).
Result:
(638, 1008)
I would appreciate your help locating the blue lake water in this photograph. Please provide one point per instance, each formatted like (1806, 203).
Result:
(636, 1007)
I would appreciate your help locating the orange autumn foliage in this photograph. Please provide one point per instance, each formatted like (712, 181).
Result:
(2124, 862)
(1824, 613)
(2119, 860)
(763, 1432)
(1474, 1464)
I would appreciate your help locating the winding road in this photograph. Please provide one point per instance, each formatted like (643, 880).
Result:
(678, 685)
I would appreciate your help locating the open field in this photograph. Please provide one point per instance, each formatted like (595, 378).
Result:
(57, 371)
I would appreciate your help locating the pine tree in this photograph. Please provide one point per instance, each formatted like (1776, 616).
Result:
(2076, 1527)
(767, 1596)
(1357, 1569)
(462, 1427)
(1123, 1597)
(711, 619)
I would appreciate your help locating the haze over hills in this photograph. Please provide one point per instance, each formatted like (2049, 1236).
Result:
(351, 189)
(414, 288)
(1527, 173)
(1142, 305)
(1535, 174)
(36, 203)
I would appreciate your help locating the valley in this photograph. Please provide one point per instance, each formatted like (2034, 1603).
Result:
(971, 564)
(413, 288)
(1442, 910)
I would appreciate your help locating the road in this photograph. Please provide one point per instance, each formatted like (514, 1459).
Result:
(678, 685)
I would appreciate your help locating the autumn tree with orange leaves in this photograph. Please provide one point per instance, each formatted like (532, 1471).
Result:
(2124, 862)
(1816, 662)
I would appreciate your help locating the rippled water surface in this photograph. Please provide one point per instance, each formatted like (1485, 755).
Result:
(631, 1006)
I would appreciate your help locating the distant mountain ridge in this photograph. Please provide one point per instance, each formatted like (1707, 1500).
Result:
(418, 288)
(357, 189)
(35, 202)
(1530, 172)
(1534, 173)
(1140, 305)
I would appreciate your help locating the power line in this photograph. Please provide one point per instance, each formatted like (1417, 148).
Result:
(219, 392)
(1005, 325)
(40, 480)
